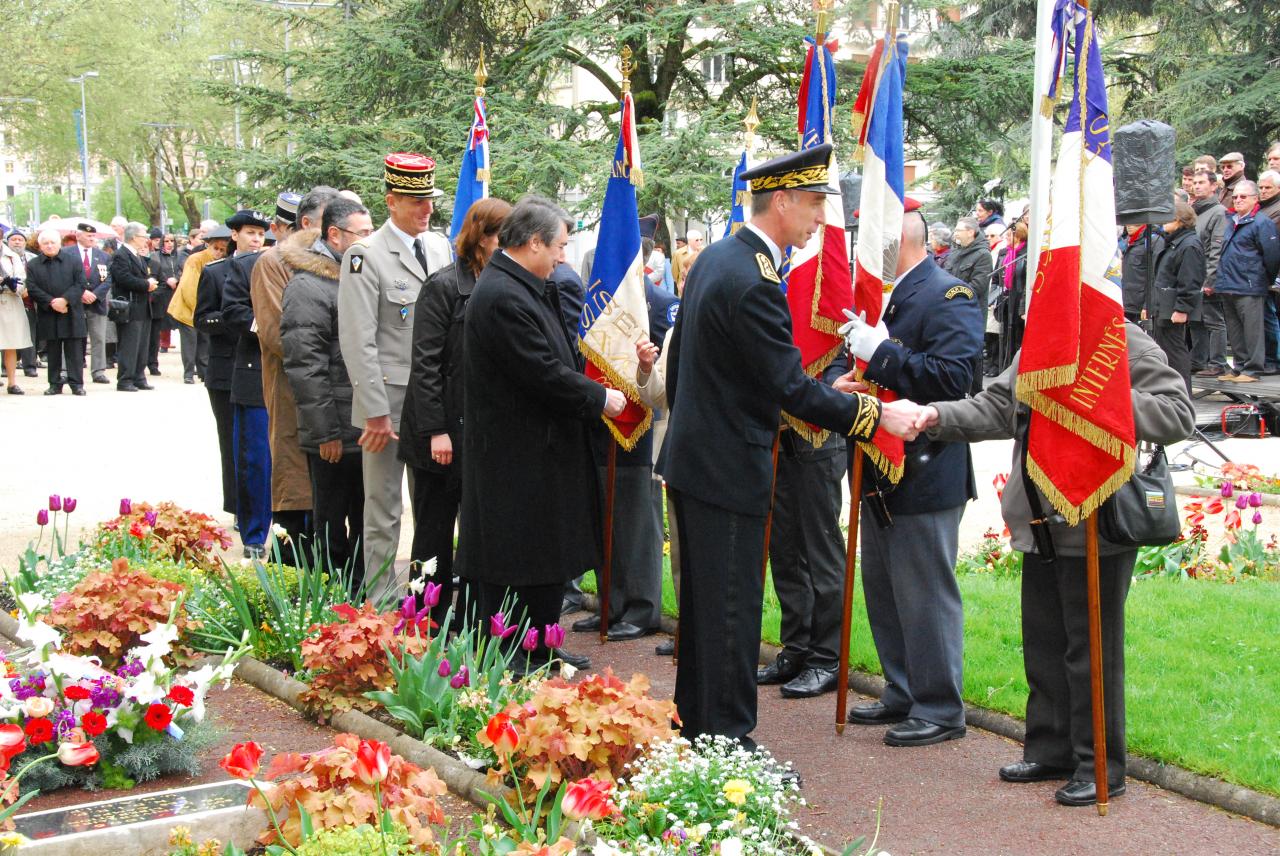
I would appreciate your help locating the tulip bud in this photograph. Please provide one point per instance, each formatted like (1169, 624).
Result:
(1255, 500)
(126, 507)
(69, 505)
(1257, 518)
(460, 680)
(431, 595)
(1227, 489)
(1242, 502)
(55, 502)
(445, 669)
(42, 517)
(553, 635)
(530, 642)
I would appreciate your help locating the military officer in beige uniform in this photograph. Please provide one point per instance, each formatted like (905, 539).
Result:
(377, 290)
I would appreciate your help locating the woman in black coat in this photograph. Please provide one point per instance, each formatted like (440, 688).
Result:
(431, 422)
(56, 284)
(166, 270)
(1175, 297)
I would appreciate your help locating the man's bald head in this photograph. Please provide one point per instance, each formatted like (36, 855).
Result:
(914, 233)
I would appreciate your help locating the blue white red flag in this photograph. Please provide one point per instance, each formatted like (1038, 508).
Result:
(738, 199)
(880, 210)
(473, 178)
(1074, 368)
(816, 277)
(616, 314)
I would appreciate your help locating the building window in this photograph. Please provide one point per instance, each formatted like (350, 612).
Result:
(9, 166)
(713, 68)
(103, 169)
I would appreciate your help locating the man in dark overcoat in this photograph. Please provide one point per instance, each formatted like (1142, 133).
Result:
(222, 358)
(530, 519)
(732, 369)
(131, 280)
(96, 265)
(56, 283)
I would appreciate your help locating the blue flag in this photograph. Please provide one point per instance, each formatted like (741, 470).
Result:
(737, 209)
(473, 178)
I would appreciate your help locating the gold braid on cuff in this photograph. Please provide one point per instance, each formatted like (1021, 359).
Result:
(867, 417)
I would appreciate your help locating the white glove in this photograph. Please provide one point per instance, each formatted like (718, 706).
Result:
(861, 337)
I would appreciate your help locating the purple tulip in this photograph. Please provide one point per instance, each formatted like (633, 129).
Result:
(1242, 502)
(1257, 518)
(460, 680)
(42, 517)
(55, 502)
(1228, 489)
(126, 507)
(150, 519)
(553, 635)
(530, 642)
(69, 504)
(431, 595)
(410, 615)
(498, 626)
(1255, 500)
(445, 669)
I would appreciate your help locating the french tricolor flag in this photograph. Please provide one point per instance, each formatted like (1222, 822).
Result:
(615, 314)
(880, 210)
(473, 178)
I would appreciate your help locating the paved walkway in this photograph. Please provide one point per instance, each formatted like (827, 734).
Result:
(947, 798)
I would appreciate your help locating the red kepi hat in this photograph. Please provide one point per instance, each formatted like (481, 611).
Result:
(411, 174)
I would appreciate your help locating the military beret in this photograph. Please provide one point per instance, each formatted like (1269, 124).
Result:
(87, 228)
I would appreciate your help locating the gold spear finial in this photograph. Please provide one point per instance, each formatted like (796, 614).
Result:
(481, 75)
(626, 67)
(821, 7)
(891, 16)
(750, 123)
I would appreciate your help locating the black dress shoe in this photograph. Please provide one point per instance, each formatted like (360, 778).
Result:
(570, 604)
(53, 390)
(920, 732)
(31, 372)
(79, 390)
(16, 390)
(126, 388)
(576, 660)
(188, 380)
(100, 378)
(665, 648)
(809, 683)
(1031, 771)
(783, 668)
(624, 631)
(1077, 793)
(145, 386)
(875, 714)
(154, 372)
(589, 624)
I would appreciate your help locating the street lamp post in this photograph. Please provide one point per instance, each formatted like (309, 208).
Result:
(84, 132)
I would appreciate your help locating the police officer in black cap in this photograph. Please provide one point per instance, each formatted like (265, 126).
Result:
(732, 369)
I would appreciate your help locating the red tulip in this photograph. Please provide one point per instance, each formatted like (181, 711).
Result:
(530, 642)
(431, 594)
(69, 504)
(243, 760)
(372, 760)
(126, 507)
(158, 716)
(588, 799)
(12, 741)
(42, 517)
(181, 695)
(502, 734)
(498, 626)
(78, 754)
(93, 723)
(135, 529)
(553, 636)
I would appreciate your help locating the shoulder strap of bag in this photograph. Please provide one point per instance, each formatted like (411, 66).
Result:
(1039, 522)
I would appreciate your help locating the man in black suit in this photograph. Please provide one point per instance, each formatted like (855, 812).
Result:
(221, 358)
(732, 369)
(131, 280)
(96, 266)
(926, 347)
(55, 282)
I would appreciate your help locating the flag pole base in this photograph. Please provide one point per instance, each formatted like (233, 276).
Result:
(839, 728)
(1102, 809)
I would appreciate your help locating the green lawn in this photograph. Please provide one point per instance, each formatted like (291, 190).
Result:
(1203, 668)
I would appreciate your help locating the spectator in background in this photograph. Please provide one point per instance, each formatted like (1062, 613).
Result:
(55, 282)
(131, 280)
(1273, 156)
(1248, 267)
(17, 242)
(1207, 162)
(96, 265)
(1232, 167)
(684, 258)
(990, 212)
(1209, 334)
(970, 262)
(940, 243)
(1175, 297)
(164, 268)
(1188, 177)
(1269, 195)
(1140, 244)
(15, 333)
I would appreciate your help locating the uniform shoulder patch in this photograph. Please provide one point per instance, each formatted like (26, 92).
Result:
(766, 268)
(961, 290)
(356, 263)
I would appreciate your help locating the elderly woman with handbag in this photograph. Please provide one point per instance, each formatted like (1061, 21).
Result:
(15, 332)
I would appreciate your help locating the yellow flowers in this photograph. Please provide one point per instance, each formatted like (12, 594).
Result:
(736, 791)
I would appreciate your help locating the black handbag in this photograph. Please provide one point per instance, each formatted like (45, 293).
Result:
(118, 310)
(1143, 512)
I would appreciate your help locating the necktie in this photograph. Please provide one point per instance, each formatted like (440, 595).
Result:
(86, 264)
(421, 256)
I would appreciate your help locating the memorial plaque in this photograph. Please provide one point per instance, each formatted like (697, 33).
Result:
(87, 817)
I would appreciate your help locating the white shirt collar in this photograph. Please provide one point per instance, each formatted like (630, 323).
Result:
(405, 238)
(130, 248)
(906, 273)
(774, 249)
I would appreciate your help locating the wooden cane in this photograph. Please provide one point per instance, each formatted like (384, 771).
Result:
(850, 563)
(611, 474)
(768, 520)
(1095, 663)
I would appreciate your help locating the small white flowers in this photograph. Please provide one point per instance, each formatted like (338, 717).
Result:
(567, 672)
(279, 533)
(41, 636)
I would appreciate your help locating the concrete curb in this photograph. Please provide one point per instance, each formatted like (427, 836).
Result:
(1211, 492)
(1236, 799)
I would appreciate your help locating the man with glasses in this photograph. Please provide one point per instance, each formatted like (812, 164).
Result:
(1231, 166)
(1209, 334)
(378, 288)
(1248, 267)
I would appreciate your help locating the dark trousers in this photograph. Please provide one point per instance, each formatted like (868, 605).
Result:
(538, 605)
(224, 418)
(1243, 313)
(436, 496)
(1271, 333)
(1209, 336)
(131, 352)
(155, 331)
(807, 553)
(28, 355)
(721, 593)
(915, 612)
(337, 512)
(1055, 650)
(1172, 339)
(297, 524)
(635, 573)
(66, 355)
(188, 340)
(253, 473)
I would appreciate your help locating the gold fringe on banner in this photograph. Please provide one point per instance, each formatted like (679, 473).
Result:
(627, 388)
(893, 472)
(1075, 515)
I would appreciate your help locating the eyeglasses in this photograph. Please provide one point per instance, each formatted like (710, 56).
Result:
(363, 233)
(1243, 195)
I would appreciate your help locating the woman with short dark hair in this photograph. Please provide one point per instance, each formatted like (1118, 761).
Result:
(431, 422)
(1175, 297)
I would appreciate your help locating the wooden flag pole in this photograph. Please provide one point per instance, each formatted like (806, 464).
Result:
(1095, 662)
(768, 520)
(850, 563)
(610, 478)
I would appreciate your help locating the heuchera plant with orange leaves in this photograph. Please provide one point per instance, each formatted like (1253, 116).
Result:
(592, 728)
(169, 531)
